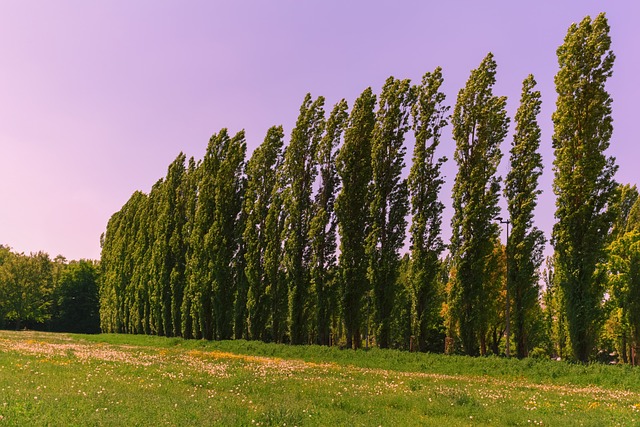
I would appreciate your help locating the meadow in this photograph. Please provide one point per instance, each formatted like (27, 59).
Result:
(66, 380)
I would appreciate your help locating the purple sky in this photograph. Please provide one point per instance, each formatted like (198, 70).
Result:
(97, 98)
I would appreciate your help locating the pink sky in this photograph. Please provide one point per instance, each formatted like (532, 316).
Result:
(97, 98)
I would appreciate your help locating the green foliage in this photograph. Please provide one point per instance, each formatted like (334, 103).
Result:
(261, 183)
(277, 288)
(583, 176)
(300, 167)
(322, 230)
(389, 200)
(223, 236)
(214, 239)
(425, 181)
(480, 124)
(26, 284)
(353, 164)
(75, 298)
(623, 266)
(555, 317)
(526, 242)
(125, 266)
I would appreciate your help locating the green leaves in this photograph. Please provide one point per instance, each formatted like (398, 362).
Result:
(480, 124)
(389, 199)
(526, 242)
(583, 175)
(300, 167)
(425, 181)
(353, 165)
(262, 170)
(322, 230)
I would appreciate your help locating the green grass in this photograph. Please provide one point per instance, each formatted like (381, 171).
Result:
(59, 379)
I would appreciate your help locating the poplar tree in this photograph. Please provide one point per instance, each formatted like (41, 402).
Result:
(389, 200)
(177, 198)
(425, 182)
(261, 181)
(118, 251)
(583, 176)
(141, 277)
(480, 124)
(168, 256)
(322, 231)
(277, 289)
(526, 242)
(190, 188)
(353, 164)
(160, 268)
(222, 235)
(200, 277)
(301, 170)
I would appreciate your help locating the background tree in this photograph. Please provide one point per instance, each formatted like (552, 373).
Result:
(425, 182)
(624, 276)
(76, 298)
(621, 252)
(322, 232)
(480, 124)
(526, 242)
(301, 170)
(496, 296)
(353, 164)
(389, 200)
(26, 284)
(555, 315)
(583, 176)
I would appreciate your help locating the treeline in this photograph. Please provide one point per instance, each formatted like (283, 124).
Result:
(52, 295)
(302, 243)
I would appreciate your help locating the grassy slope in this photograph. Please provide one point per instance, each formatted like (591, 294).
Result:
(62, 379)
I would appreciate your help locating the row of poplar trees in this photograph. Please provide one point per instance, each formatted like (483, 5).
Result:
(227, 248)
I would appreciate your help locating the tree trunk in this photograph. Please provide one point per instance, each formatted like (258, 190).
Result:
(625, 359)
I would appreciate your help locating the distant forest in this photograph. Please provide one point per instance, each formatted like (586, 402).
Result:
(52, 295)
(304, 243)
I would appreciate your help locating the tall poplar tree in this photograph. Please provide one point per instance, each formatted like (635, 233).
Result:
(353, 164)
(425, 182)
(168, 256)
(583, 176)
(222, 235)
(526, 242)
(190, 189)
(200, 277)
(389, 200)
(261, 181)
(277, 289)
(139, 295)
(480, 124)
(322, 231)
(301, 170)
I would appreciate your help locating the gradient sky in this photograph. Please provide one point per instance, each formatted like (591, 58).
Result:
(97, 98)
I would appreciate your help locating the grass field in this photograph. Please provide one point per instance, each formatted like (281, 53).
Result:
(59, 379)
